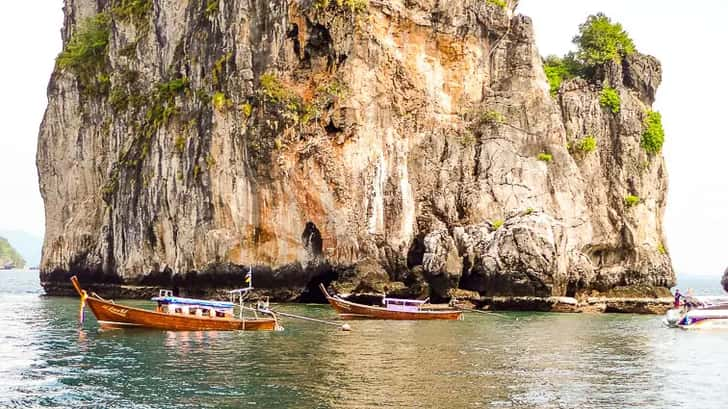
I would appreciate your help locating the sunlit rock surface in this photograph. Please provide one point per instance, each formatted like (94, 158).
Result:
(312, 143)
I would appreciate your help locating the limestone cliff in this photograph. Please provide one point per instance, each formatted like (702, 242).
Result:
(413, 141)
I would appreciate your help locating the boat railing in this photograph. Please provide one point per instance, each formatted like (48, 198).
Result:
(239, 295)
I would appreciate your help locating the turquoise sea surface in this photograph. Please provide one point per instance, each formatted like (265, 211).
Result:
(514, 360)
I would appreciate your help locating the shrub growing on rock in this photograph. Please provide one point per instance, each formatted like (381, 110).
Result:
(212, 7)
(610, 99)
(497, 224)
(85, 53)
(654, 135)
(492, 118)
(631, 200)
(220, 101)
(131, 10)
(585, 145)
(545, 157)
(600, 41)
(560, 69)
(661, 249)
(355, 6)
(498, 3)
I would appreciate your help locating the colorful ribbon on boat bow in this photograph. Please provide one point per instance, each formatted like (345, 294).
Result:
(81, 314)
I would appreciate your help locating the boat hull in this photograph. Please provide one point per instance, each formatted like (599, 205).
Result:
(350, 310)
(110, 314)
(115, 315)
(698, 318)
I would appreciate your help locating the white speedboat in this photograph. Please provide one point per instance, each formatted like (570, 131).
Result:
(699, 312)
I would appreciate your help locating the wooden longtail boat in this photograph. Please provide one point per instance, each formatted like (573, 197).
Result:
(175, 313)
(394, 309)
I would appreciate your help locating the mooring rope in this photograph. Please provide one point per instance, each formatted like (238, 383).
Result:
(344, 327)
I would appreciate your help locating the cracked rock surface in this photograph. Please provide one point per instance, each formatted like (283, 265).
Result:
(314, 143)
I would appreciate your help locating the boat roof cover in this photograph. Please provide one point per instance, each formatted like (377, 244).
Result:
(404, 301)
(193, 301)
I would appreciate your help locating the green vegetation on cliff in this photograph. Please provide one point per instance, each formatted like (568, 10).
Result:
(545, 157)
(9, 257)
(654, 135)
(586, 145)
(560, 69)
(355, 6)
(499, 3)
(631, 200)
(610, 99)
(599, 41)
(131, 10)
(85, 53)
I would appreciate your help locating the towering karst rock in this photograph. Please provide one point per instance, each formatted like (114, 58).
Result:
(408, 140)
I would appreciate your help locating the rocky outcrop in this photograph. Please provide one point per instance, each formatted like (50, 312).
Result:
(410, 141)
(9, 257)
(724, 281)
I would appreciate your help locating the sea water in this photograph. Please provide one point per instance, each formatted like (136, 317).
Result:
(513, 360)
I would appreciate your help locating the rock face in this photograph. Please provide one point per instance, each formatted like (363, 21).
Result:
(724, 281)
(315, 140)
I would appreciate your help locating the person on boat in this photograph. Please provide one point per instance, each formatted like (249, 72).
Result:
(677, 298)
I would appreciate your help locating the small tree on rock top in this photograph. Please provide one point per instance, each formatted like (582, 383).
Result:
(601, 41)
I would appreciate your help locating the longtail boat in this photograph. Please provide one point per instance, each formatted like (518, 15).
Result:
(177, 313)
(394, 309)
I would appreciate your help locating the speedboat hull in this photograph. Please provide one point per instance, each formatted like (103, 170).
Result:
(697, 318)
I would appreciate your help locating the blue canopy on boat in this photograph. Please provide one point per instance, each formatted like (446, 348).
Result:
(192, 301)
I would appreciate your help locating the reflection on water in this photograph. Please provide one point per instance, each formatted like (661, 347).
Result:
(522, 361)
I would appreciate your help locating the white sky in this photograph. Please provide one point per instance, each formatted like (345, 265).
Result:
(30, 39)
(688, 38)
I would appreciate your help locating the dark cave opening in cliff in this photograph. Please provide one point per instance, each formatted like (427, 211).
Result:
(416, 251)
(332, 129)
(312, 241)
(312, 293)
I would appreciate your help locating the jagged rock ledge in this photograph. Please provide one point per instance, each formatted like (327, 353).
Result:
(572, 305)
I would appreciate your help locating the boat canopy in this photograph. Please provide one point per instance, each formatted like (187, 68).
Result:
(192, 301)
(399, 304)
(403, 301)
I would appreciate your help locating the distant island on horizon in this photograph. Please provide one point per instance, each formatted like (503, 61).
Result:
(9, 257)
(27, 244)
